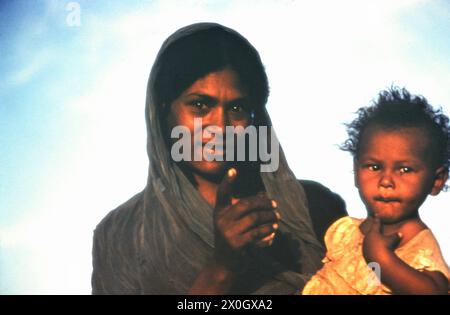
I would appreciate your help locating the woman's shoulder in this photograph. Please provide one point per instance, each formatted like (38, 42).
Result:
(121, 219)
(312, 185)
(115, 249)
(317, 192)
(325, 206)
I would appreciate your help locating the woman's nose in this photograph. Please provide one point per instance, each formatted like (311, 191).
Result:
(217, 117)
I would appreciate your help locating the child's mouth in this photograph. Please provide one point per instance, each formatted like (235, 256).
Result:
(386, 199)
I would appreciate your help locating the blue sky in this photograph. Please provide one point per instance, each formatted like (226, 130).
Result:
(72, 129)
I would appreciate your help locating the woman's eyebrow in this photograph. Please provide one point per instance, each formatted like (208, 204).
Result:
(201, 95)
(213, 99)
(239, 99)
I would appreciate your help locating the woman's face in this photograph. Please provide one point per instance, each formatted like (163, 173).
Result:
(219, 101)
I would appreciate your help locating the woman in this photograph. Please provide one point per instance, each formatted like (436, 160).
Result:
(204, 226)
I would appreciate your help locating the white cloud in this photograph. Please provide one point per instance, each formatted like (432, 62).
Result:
(31, 68)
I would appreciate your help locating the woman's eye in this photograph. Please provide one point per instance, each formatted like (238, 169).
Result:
(405, 169)
(237, 108)
(199, 105)
(239, 112)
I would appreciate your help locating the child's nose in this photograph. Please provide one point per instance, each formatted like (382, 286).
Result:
(386, 181)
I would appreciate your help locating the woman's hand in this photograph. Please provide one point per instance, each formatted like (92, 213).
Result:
(250, 221)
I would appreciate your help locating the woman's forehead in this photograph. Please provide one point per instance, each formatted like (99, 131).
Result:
(225, 82)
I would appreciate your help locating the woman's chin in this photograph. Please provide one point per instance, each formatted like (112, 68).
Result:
(210, 170)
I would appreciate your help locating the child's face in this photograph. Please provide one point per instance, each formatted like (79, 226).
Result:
(394, 172)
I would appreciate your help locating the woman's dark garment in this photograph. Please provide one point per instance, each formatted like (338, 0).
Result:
(118, 260)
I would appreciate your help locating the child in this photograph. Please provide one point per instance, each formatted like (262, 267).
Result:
(401, 150)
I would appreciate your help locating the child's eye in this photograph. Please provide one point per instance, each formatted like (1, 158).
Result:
(405, 169)
(373, 167)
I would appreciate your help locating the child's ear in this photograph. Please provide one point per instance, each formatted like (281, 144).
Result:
(440, 178)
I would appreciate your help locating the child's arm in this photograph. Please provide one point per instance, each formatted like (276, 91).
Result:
(395, 273)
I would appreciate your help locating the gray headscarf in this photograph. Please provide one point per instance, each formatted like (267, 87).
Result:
(176, 236)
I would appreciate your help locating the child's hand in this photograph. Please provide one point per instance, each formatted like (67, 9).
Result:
(377, 246)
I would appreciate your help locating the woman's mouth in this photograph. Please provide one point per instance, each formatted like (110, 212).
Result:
(210, 152)
(214, 151)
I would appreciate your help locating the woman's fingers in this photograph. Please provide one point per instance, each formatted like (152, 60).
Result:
(233, 230)
(266, 241)
(256, 218)
(253, 203)
(262, 234)
(247, 214)
(224, 191)
(252, 220)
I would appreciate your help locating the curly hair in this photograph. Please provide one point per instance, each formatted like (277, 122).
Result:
(396, 108)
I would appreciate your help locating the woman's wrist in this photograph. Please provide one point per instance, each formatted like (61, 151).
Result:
(221, 273)
(215, 279)
(235, 261)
